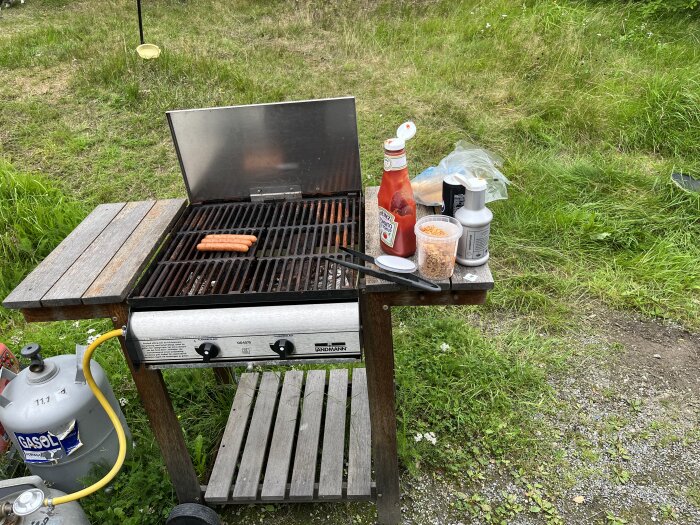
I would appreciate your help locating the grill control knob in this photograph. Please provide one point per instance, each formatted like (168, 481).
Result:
(283, 347)
(208, 351)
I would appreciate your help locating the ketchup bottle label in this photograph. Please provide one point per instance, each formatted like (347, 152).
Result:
(394, 162)
(387, 227)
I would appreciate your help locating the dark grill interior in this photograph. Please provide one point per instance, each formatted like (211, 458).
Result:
(286, 259)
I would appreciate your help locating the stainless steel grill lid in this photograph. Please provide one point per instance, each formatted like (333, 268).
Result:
(305, 148)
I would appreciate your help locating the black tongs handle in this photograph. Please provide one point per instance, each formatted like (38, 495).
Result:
(410, 276)
(359, 255)
(387, 276)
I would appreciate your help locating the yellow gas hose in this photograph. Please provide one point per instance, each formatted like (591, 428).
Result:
(113, 418)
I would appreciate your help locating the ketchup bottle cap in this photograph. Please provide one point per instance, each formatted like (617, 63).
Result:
(394, 144)
(406, 131)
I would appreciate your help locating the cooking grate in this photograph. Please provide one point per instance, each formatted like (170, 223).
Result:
(287, 258)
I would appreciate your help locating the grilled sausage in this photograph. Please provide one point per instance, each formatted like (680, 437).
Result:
(221, 247)
(227, 236)
(219, 239)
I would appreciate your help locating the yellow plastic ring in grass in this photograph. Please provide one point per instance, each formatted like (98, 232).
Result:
(148, 51)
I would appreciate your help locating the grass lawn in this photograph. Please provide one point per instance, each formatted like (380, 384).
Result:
(592, 104)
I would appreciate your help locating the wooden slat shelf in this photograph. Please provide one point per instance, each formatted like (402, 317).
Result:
(275, 447)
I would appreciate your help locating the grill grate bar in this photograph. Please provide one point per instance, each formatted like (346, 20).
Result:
(175, 280)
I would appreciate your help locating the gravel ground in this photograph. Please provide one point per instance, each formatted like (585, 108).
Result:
(634, 437)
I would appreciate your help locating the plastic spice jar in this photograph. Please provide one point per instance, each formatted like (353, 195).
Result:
(436, 244)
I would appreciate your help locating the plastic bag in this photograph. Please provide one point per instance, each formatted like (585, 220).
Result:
(469, 161)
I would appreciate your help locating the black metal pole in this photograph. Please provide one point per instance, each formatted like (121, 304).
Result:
(138, 5)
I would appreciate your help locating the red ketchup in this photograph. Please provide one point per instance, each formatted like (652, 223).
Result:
(397, 207)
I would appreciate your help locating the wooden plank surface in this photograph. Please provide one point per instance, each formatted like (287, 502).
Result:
(78, 278)
(219, 486)
(360, 449)
(67, 313)
(464, 278)
(277, 469)
(330, 485)
(305, 457)
(114, 283)
(30, 291)
(248, 478)
(444, 298)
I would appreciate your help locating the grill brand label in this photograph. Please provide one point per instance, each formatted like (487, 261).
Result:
(46, 447)
(387, 227)
(330, 347)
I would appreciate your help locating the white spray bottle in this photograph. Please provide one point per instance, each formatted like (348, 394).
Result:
(475, 217)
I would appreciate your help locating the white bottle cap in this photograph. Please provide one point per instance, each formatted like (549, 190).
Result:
(394, 144)
(406, 131)
(395, 264)
(476, 184)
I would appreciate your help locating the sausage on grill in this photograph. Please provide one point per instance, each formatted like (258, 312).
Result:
(230, 236)
(222, 247)
(218, 240)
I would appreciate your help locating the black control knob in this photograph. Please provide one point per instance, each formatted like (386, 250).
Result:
(283, 347)
(208, 351)
(33, 351)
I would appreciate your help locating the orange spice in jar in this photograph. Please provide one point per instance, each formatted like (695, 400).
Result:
(433, 230)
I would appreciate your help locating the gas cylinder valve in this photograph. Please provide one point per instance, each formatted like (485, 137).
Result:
(28, 502)
(33, 352)
(5, 509)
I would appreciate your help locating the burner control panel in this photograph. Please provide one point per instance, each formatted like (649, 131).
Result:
(216, 336)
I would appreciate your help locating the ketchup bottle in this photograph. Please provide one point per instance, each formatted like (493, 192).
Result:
(397, 207)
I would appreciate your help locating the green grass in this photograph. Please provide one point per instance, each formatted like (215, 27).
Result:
(587, 227)
(477, 395)
(34, 217)
(593, 104)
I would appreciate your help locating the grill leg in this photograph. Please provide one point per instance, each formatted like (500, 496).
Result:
(164, 423)
(379, 360)
(224, 376)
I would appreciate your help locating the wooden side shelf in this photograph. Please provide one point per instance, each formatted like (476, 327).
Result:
(318, 416)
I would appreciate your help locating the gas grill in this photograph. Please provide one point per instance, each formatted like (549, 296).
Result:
(289, 174)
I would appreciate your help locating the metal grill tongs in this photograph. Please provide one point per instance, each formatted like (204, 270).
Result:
(405, 279)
